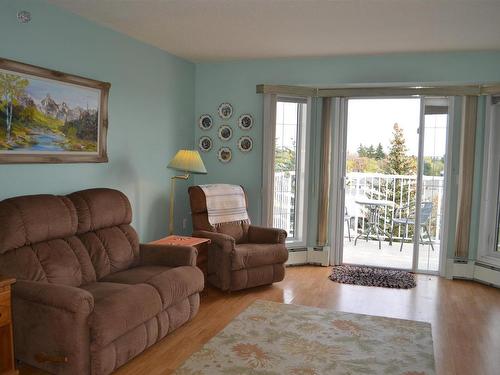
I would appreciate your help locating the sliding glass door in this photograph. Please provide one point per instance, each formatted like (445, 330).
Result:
(394, 161)
(433, 132)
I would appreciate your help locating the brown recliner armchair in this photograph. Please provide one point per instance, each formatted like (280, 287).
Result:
(88, 296)
(240, 255)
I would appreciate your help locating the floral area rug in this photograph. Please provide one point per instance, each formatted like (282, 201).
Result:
(271, 338)
(372, 276)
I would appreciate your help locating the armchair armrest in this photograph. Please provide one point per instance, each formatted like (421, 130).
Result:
(223, 241)
(62, 297)
(266, 235)
(168, 255)
(220, 254)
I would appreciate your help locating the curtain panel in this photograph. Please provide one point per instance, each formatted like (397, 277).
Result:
(269, 146)
(325, 172)
(466, 175)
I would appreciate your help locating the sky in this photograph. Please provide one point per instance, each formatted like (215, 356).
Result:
(286, 121)
(74, 96)
(370, 121)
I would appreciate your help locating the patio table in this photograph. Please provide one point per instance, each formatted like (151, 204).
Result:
(373, 224)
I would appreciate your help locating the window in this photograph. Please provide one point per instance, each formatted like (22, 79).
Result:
(286, 164)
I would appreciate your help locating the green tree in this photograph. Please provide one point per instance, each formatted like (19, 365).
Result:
(433, 166)
(12, 88)
(284, 160)
(362, 152)
(397, 160)
(370, 151)
(379, 152)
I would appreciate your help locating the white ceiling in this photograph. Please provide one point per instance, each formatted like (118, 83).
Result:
(207, 30)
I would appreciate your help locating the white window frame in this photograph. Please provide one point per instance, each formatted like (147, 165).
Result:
(302, 175)
(490, 194)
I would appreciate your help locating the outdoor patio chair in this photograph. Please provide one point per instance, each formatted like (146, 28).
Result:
(425, 216)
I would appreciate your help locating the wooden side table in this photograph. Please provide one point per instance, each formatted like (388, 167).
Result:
(201, 245)
(7, 364)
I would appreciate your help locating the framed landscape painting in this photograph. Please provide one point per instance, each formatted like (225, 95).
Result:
(51, 117)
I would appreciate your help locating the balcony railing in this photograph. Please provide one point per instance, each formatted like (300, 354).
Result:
(399, 189)
(284, 201)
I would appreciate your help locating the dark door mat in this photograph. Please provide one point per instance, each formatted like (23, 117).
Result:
(372, 276)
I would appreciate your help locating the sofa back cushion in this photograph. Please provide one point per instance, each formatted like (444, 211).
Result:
(104, 217)
(38, 242)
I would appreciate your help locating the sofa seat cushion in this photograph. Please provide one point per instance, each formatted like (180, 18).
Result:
(136, 275)
(172, 284)
(249, 255)
(118, 308)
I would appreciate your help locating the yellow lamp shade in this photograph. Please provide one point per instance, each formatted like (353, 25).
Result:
(188, 161)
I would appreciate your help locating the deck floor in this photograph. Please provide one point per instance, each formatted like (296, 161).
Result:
(368, 253)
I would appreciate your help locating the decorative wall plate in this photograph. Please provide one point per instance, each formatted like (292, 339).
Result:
(245, 143)
(225, 154)
(225, 132)
(205, 144)
(245, 121)
(205, 122)
(225, 111)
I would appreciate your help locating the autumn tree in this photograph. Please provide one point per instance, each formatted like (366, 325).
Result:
(362, 164)
(398, 162)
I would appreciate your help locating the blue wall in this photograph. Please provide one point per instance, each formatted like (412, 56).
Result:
(156, 99)
(235, 82)
(151, 110)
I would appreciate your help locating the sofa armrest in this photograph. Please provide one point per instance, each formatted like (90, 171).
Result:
(266, 235)
(223, 241)
(62, 297)
(168, 255)
(51, 326)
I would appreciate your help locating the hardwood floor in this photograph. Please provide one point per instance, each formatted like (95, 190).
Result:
(465, 318)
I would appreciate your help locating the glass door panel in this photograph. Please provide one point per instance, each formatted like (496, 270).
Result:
(381, 181)
(431, 189)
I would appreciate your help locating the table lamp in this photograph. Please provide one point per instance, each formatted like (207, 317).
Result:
(187, 161)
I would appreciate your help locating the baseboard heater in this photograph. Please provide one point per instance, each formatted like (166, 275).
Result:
(487, 274)
(309, 255)
(470, 270)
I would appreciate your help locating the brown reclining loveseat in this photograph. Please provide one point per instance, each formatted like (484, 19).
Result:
(86, 290)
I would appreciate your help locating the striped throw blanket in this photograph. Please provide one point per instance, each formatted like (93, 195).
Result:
(225, 203)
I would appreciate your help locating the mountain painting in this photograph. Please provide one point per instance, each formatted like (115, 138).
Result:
(40, 116)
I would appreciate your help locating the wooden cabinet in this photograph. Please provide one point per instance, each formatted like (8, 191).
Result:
(7, 363)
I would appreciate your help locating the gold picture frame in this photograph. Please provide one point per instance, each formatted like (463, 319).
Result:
(47, 116)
